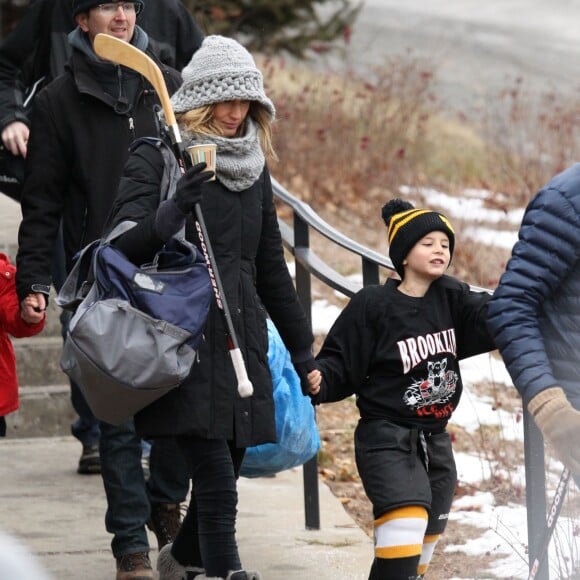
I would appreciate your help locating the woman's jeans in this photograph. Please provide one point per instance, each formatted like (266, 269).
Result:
(207, 535)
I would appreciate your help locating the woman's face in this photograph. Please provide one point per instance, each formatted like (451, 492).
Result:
(230, 115)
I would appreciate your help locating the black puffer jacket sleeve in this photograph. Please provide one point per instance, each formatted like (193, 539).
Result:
(273, 279)
(536, 306)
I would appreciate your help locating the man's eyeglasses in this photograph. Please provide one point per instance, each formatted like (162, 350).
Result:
(111, 8)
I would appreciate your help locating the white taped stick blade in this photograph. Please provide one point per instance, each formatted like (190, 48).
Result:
(245, 387)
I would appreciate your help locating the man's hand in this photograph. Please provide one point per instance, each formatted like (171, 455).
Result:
(559, 423)
(15, 138)
(33, 307)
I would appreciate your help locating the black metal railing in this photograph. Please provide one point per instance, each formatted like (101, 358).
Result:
(296, 238)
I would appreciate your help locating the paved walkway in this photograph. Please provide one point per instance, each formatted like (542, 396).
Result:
(59, 517)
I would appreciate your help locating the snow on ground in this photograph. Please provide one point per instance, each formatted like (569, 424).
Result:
(504, 528)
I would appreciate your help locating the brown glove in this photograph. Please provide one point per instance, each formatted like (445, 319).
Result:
(559, 423)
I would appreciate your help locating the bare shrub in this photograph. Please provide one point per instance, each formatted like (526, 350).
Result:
(343, 140)
(529, 138)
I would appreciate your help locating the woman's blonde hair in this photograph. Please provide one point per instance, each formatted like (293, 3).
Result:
(200, 121)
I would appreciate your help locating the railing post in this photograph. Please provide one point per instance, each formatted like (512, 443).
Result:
(303, 288)
(535, 491)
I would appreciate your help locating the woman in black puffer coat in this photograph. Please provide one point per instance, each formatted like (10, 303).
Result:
(221, 101)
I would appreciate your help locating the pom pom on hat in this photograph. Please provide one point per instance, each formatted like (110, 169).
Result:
(406, 225)
(220, 70)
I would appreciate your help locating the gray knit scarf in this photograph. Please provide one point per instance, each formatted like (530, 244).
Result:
(239, 161)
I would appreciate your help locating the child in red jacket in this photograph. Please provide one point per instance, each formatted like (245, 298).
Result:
(17, 325)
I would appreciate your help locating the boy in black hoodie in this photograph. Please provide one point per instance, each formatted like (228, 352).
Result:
(397, 348)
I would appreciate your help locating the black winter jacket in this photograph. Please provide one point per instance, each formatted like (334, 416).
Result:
(243, 230)
(38, 47)
(534, 314)
(76, 153)
(400, 355)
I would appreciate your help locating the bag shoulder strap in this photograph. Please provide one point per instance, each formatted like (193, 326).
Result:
(81, 277)
(171, 171)
(73, 289)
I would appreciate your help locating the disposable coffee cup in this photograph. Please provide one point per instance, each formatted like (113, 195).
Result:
(203, 153)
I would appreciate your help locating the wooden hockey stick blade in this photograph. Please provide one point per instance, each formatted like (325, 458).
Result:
(125, 54)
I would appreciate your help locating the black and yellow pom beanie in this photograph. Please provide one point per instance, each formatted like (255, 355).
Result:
(406, 225)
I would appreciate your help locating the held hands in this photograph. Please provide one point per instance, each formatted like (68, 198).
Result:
(311, 380)
(314, 381)
(304, 364)
(32, 308)
(559, 423)
(188, 192)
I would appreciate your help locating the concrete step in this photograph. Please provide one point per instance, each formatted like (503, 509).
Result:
(44, 412)
(38, 361)
(10, 249)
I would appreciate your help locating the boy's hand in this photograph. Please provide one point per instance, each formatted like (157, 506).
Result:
(314, 381)
(33, 307)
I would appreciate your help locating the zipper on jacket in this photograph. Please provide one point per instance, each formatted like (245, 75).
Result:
(132, 126)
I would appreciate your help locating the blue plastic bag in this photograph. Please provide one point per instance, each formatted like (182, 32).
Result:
(296, 429)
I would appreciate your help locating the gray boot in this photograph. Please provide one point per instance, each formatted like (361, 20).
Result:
(170, 569)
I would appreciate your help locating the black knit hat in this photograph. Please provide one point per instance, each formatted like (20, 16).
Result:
(79, 6)
(406, 225)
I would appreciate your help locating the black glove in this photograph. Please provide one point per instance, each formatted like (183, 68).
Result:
(303, 364)
(188, 191)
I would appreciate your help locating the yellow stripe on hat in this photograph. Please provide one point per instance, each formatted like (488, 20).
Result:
(403, 218)
(446, 222)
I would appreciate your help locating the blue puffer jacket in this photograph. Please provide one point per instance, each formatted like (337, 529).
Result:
(534, 314)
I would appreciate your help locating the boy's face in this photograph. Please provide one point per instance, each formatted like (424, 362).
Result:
(429, 258)
(113, 18)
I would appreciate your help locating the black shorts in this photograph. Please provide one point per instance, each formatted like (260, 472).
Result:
(400, 466)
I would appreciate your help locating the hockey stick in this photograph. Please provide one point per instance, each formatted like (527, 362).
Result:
(553, 514)
(123, 53)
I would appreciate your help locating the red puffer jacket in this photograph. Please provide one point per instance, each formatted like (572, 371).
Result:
(10, 323)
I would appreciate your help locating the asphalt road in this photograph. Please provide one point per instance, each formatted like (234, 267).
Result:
(476, 48)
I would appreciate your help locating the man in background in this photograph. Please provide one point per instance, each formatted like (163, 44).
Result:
(32, 55)
(82, 125)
